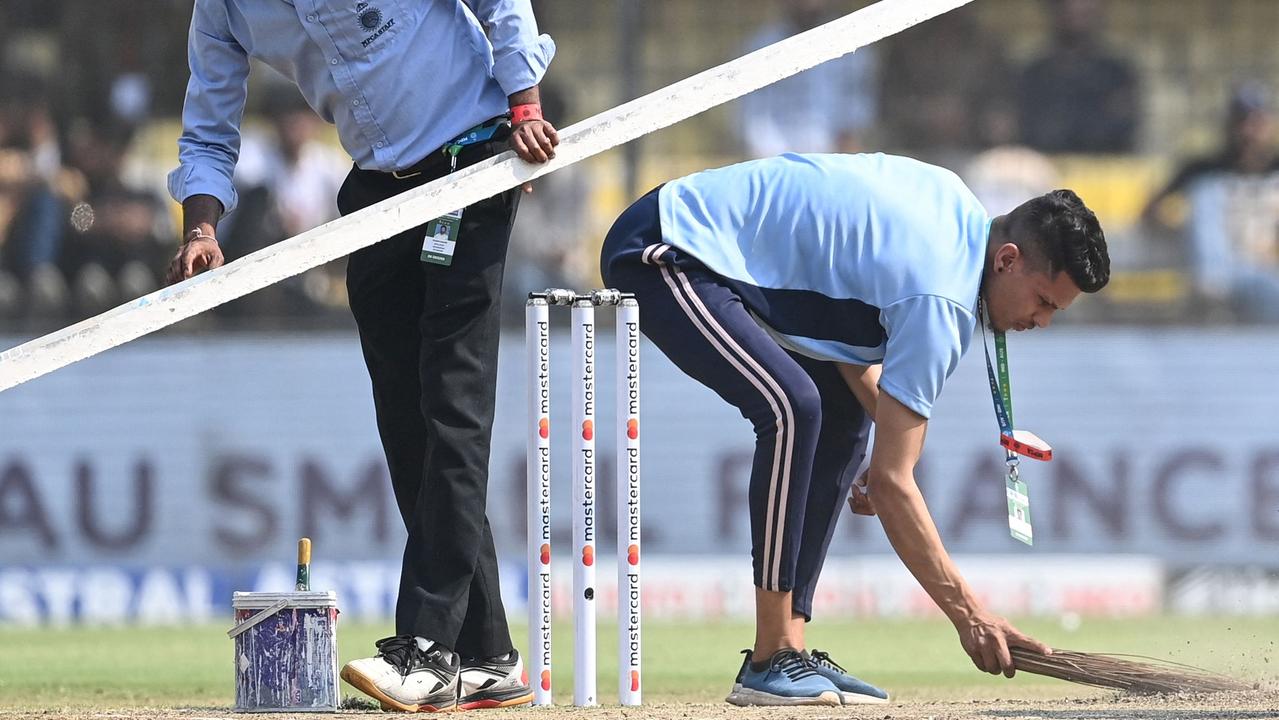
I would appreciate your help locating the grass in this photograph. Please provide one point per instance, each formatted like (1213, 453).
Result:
(684, 662)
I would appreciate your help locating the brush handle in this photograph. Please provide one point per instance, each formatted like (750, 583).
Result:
(304, 564)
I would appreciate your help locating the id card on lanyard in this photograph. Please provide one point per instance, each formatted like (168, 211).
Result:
(1014, 442)
(440, 243)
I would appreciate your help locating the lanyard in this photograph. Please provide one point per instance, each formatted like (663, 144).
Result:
(478, 134)
(1001, 387)
(1001, 393)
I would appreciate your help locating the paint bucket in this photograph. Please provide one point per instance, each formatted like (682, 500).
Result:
(286, 653)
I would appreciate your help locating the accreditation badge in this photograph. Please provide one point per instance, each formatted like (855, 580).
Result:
(441, 239)
(1018, 507)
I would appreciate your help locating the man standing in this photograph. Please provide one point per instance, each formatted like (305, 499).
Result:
(416, 90)
(817, 293)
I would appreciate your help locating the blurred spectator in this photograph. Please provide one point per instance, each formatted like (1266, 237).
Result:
(946, 89)
(1232, 226)
(1004, 174)
(121, 232)
(302, 172)
(1003, 177)
(548, 242)
(1247, 150)
(121, 59)
(31, 211)
(1078, 98)
(828, 108)
(287, 181)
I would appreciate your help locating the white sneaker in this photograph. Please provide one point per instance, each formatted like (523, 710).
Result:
(493, 682)
(409, 674)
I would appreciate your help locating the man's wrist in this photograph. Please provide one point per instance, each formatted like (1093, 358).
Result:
(525, 112)
(963, 611)
(197, 234)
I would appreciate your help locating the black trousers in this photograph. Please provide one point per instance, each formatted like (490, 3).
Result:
(429, 335)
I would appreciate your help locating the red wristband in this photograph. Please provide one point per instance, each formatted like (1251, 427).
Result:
(524, 113)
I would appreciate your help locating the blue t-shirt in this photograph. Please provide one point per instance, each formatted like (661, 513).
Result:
(851, 258)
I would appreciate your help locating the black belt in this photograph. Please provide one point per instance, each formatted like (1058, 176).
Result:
(439, 159)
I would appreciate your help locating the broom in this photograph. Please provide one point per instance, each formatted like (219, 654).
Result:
(1130, 673)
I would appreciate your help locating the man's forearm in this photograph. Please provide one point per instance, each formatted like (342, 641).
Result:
(863, 381)
(527, 96)
(899, 440)
(200, 212)
(914, 537)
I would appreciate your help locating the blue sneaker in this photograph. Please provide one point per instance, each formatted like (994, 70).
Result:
(789, 679)
(851, 690)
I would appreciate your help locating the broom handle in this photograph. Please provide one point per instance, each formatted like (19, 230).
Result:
(304, 565)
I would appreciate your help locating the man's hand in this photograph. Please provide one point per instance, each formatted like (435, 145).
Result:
(199, 251)
(986, 638)
(899, 437)
(196, 255)
(859, 497)
(534, 141)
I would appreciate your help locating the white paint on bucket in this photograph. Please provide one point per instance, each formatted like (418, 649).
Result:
(286, 651)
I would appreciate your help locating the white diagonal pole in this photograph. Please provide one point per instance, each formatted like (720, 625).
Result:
(589, 137)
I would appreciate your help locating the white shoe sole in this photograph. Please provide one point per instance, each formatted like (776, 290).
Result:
(743, 697)
(852, 698)
(359, 681)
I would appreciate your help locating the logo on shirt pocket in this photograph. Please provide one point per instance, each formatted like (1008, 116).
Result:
(372, 23)
(371, 18)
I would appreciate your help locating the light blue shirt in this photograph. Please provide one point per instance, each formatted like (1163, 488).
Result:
(850, 258)
(399, 78)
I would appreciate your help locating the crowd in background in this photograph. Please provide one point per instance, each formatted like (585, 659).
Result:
(84, 226)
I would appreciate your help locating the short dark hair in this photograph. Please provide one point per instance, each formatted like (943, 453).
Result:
(1064, 233)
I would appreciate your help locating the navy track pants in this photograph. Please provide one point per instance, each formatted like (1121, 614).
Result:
(810, 430)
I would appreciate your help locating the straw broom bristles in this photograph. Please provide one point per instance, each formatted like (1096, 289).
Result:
(1130, 673)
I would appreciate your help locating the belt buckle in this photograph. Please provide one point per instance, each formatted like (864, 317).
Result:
(404, 176)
